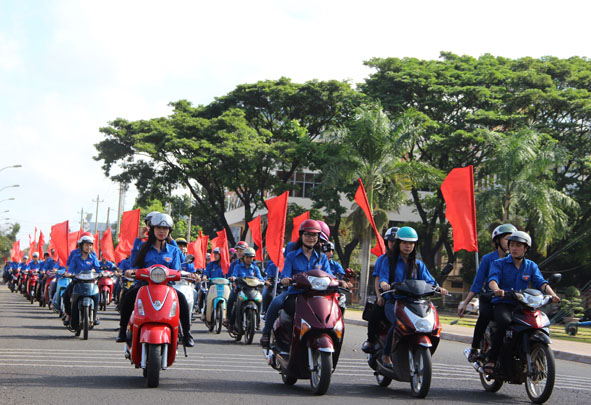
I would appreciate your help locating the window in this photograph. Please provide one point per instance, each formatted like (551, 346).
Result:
(304, 183)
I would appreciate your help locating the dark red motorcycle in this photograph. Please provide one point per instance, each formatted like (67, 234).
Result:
(306, 340)
(526, 356)
(105, 285)
(31, 285)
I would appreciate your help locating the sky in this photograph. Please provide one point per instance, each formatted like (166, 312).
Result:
(69, 67)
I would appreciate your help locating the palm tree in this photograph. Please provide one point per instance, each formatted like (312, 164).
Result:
(520, 169)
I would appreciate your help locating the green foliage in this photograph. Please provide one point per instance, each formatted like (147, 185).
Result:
(571, 305)
(7, 238)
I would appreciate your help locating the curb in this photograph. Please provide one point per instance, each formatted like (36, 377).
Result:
(562, 355)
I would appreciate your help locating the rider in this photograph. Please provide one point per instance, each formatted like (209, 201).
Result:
(156, 250)
(212, 270)
(480, 284)
(401, 264)
(106, 264)
(306, 256)
(335, 267)
(513, 272)
(245, 268)
(271, 273)
(378, 315)
(82, 259)
(240, 246)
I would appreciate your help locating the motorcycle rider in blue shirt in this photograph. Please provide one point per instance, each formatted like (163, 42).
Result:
(81, 259)
(485, 311)
(246, 267)
(402, 259)
(271, 273)
(239, 248)
(306, 256)
(156, 250)
(513, 272)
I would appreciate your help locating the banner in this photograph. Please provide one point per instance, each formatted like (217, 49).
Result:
(221, 241)
(40, 244)
(361, 200)
(107, 246)
(460, 208)
(194, 248)
(257, 236)
(297, 221)
(59, 241)
(130, 223)
(276, 216)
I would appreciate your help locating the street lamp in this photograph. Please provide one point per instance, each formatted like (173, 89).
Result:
(8, 167)
(5, 211)
(7, 199)
(14, 185)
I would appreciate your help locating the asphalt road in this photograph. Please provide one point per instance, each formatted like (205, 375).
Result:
(42, 363)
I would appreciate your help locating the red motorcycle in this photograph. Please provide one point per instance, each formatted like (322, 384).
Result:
(105, 285)
(152, 334)
(45, 298)
(14, 280)
(31, 285)
(416, 337)
(307, 345)
(526, 356)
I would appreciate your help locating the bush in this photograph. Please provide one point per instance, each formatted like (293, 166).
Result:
(571, 305)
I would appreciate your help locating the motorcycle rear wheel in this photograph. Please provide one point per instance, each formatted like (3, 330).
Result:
(250, 325)
(85, 322)
(219, 317)
(539, 386)
(420, 361)
(104, 300)
(320, 376)
(32, 298)
(153, 366)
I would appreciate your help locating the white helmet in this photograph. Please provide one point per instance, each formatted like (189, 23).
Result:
(149, 216)
(86, 237)
(35, 254)
(163, 220)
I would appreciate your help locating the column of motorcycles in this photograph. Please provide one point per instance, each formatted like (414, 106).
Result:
(307, 336)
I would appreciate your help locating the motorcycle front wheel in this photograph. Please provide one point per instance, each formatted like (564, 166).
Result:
(540, 384)
(382, 380)
(85, 322)
(153, 366)
(250, 325)
(322, 370)
(419, 358)
(219, 317)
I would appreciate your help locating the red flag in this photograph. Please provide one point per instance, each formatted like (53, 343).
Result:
(458, 192)
(204, 245)
(73, 241)
(361, 200)
(276, 215)
(32, 246)
(297, 221)
(194, 248)
(59, 241)
(40, 244)
(107, 246)
(15, 251)
(257, 236)
(130, 223)
(221, 241)
(96, 244)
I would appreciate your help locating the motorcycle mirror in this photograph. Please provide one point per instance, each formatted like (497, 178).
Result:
(447, 269)
(189, 259)
(555, 278)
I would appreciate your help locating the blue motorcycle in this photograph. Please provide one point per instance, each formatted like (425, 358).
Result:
(84, 300)
(217, 301)
(62, 284)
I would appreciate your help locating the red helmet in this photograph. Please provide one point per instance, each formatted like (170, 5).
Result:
(241, 245)
(324, 231)
(310, 225)
(86, 237)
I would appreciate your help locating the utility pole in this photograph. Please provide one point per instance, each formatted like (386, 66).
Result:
(96, 215)
(108, 212)
(82, 218)
(119, 206)
(189, 224)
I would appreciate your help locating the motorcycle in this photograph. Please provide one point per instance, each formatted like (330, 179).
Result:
(153, 329)
(217, 300)
(526, 356)
(14, 279)
(22, 281)
(84, 301)
(45, 299)
(62, 284)
(105, 285)
(306, 340)
(416, 337)
(186, 287)
(249, 299)
(126, 283)
(31, 285)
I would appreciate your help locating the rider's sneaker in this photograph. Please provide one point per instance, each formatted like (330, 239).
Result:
(97, 321)
(188, 340)
(121, 337)
(265, 340)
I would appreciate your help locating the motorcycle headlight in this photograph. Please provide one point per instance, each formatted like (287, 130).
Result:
(535, 301)
(319, 283)
(158, 275)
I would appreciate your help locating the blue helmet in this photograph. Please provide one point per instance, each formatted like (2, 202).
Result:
(408, 234)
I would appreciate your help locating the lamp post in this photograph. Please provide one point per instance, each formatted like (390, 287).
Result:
(7, 199)
(8, 167)
(14, 185)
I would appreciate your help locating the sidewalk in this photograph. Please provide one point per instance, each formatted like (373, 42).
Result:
(563, 349)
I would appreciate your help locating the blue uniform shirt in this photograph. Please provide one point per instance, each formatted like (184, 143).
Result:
(376, 267)
(297, 262)
(78, 264)
(124, 264)
(508, 277)
(169, 256)
(34, 265)
(400, 273)
(336, 269)
(270, 269)
(241, 270)
(232, 266)
(106, 264)
(214, 270)
(480, 283)
(48, 264)
(137, 243)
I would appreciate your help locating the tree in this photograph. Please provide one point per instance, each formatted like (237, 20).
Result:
(7, 238)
